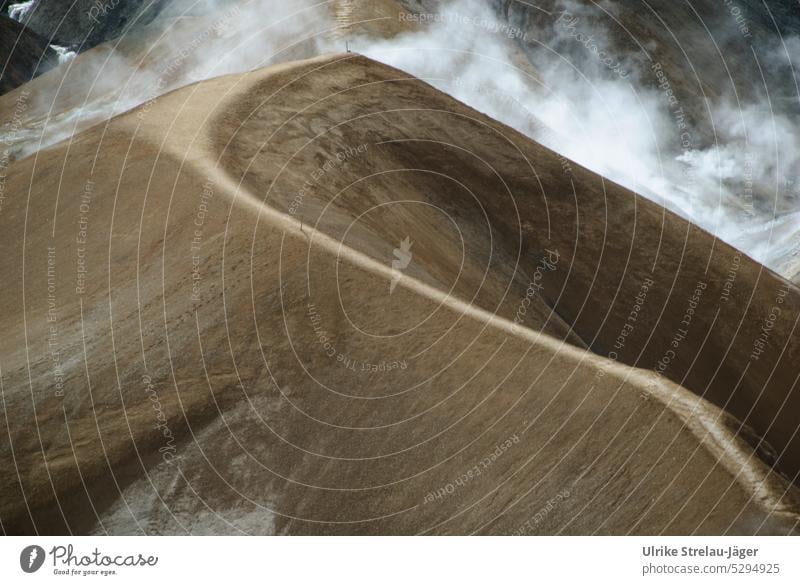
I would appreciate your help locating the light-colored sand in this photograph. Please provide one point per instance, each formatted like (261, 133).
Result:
(236, 360)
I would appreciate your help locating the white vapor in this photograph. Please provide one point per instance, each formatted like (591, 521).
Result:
(592, 107)
(20, 10)
(190, 41)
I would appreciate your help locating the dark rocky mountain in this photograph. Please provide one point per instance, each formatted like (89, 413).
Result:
(706, 50)
(23, 54)
(85, 23)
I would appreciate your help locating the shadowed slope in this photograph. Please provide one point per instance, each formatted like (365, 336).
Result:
(23, 55)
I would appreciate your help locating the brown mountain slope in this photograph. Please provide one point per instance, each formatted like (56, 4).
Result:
(719, 323)
(202, 332)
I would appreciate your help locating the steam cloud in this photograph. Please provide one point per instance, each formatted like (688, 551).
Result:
(191, 41)
(592, 106)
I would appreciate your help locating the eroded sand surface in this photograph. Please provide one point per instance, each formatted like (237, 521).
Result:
(326, 298)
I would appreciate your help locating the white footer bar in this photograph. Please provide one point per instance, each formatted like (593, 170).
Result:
(389, 560)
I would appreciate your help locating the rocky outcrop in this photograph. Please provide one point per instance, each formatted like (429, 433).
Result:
(23, 55)
(85, 23)
(705, 48)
